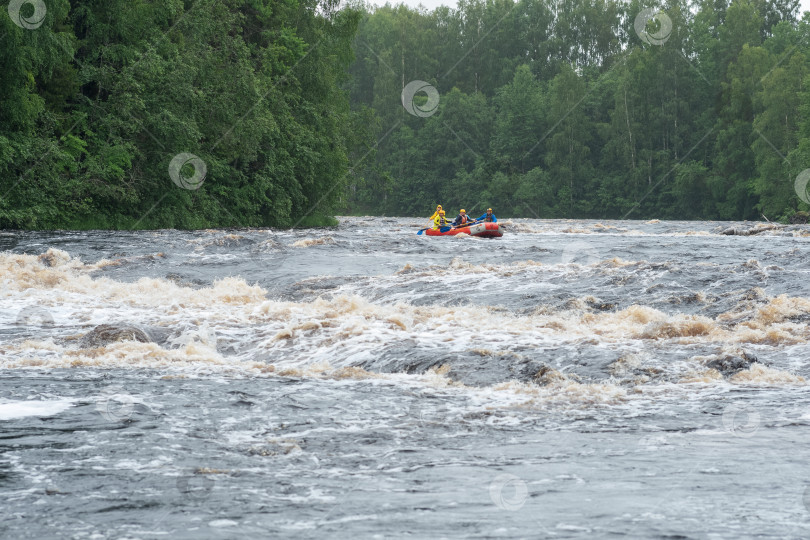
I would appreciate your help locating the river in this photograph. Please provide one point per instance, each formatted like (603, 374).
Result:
(572, 379)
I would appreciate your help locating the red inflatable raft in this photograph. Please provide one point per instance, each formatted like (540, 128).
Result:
(484, 229)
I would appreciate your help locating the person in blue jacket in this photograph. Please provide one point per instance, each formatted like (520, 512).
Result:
(488, 216)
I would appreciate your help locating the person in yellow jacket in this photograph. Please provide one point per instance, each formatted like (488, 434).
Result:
(440, 220)
(436, 213)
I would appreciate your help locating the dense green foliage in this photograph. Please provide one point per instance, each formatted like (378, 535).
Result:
(96, 102)
(558, 108)
(548, 108)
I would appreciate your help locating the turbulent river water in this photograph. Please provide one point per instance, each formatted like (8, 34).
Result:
(573, 379)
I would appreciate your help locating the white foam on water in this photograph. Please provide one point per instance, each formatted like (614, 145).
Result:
(218, 523)
(10, 409)
(329, 336)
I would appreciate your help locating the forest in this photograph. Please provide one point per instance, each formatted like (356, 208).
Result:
(130, 114)
(587, 109)
(133, 114)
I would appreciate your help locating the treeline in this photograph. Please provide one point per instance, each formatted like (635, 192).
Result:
(586, 108)
(244, 99)
(188, 114)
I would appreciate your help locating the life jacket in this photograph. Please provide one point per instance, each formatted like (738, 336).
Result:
(488, 218)
(465, 219)
(440, 221)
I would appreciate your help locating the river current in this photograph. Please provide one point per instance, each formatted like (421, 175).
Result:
(572, 379)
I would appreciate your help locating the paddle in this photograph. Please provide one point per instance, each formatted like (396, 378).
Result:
(464, 225)
(441, 230)
(447, 228)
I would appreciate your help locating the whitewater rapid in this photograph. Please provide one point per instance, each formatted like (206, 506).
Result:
(571, 379)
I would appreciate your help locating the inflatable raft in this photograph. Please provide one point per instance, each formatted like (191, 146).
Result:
(484, 229)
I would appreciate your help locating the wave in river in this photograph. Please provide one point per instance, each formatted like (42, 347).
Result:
(235, 327)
